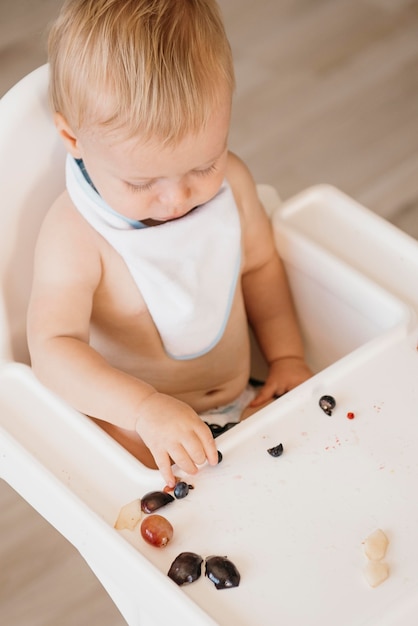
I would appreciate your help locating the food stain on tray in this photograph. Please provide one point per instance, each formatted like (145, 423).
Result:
(336, 442)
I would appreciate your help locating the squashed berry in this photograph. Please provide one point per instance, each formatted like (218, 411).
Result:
(276, 450)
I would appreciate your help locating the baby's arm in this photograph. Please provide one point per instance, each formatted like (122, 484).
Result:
(267, 295)
(67, 272)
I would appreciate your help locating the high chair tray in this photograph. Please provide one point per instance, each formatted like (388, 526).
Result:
(293, 525)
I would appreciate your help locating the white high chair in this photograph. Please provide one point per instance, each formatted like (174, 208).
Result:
(74, 475)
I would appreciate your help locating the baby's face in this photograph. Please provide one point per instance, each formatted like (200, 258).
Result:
(149, 181)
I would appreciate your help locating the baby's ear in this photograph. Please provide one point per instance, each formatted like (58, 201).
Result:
(67, 135)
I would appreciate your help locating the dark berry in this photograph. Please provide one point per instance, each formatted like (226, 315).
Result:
(215, 429)
(181, 490)
(276, 450)
(222, 572)
(186, 568)
(155, 500)
(327, 404)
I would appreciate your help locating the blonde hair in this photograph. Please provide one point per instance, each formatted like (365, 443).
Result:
(155, 67)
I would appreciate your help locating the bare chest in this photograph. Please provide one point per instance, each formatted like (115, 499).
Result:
(123, 331)
(121, 326)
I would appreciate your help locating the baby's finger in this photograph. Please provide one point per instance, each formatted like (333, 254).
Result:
(203, 447)
(266, 393)
(183, 459)
(210, 449)
(163, 463)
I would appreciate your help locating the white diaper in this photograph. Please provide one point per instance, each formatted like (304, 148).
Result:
(230, 412)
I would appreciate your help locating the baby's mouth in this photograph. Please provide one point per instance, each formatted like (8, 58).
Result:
(154, 222)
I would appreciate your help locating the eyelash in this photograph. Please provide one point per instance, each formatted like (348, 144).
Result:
(137, 188)
(147, 186)
(206, 172)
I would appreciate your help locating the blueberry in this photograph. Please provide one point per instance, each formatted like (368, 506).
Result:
(181, 490)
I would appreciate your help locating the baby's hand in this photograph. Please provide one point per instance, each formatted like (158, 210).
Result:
(174, 432)
(284, 374)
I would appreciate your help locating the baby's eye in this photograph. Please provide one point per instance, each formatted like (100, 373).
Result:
(140, 187)
(206, 171)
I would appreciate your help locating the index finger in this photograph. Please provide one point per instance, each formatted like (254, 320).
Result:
(163, 462)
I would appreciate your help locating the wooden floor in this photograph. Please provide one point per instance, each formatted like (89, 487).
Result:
(327, 92)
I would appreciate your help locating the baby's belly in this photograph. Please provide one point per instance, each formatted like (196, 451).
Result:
(213, 379)
(220, 380)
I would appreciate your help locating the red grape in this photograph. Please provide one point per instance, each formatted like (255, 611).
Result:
(156, 530)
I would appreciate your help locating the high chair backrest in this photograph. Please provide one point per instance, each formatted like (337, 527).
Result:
(31, 177)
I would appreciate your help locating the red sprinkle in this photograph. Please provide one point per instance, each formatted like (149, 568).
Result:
(350, 415)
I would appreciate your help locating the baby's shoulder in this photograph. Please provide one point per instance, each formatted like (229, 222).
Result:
(62, 215)
(238, 174)
(243, 188)
(63, 223)
(65, 240)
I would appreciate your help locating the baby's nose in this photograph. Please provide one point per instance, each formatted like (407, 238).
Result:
(178, 193)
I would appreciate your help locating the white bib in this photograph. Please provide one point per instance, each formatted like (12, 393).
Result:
(185, 269)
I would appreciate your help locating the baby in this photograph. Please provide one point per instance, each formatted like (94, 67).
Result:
(152, 263)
